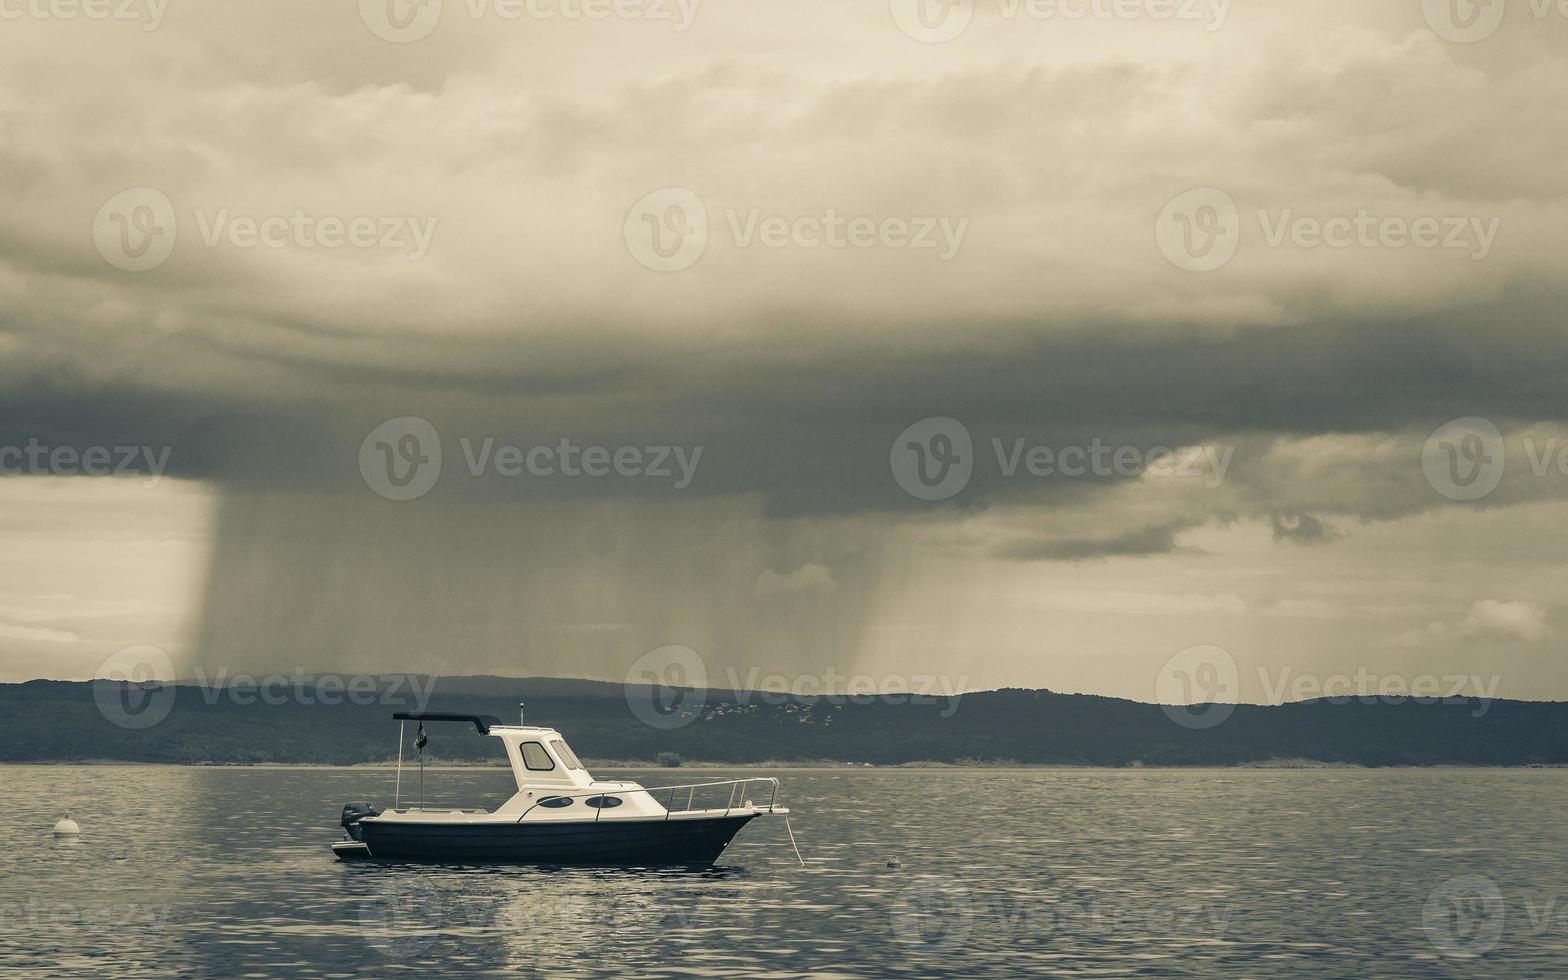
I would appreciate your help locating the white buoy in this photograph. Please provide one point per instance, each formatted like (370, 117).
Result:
(67, 827)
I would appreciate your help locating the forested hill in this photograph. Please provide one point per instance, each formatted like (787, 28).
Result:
(58, 721)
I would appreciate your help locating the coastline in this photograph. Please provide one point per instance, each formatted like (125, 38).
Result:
(798, 766)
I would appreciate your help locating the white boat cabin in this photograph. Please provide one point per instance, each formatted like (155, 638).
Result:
(552, 781)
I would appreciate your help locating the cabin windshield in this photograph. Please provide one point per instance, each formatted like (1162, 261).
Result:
(567, 756)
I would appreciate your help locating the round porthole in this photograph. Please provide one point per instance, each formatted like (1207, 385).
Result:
(603, 802)
(556, 802)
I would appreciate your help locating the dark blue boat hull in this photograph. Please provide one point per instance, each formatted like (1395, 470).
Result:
(607, 842)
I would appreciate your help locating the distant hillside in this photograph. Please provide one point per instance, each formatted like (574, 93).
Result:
(61, 721)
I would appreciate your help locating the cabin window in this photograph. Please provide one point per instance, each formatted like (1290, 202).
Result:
(603, 802)
(535, 757)
(556, 802)
(568, 757)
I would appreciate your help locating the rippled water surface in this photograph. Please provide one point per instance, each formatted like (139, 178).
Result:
(1260, 873)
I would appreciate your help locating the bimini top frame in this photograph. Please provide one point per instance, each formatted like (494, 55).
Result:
(482, 722)
(563, 771)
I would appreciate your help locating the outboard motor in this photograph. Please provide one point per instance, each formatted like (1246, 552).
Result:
(353, 813)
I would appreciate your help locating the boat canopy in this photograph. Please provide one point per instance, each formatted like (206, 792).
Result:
(539, 757)
(482, 722)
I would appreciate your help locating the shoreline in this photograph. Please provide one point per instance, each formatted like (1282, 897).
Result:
(1280, 765)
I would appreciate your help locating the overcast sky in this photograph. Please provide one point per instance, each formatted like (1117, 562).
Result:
(1290, 244)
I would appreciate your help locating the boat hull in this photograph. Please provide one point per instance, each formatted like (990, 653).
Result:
(606, 842)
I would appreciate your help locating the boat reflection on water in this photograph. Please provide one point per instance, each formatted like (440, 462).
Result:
(409, 912)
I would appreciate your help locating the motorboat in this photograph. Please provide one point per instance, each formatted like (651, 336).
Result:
(560, 813)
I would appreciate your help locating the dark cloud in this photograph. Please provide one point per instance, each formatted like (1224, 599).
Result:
(1147, 541)
(810, 432)
(1300, 528)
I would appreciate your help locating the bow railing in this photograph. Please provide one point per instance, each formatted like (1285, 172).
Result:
(672, 793)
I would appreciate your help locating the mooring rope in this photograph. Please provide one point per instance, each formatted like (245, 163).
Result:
(792, 841)
(397, 794)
